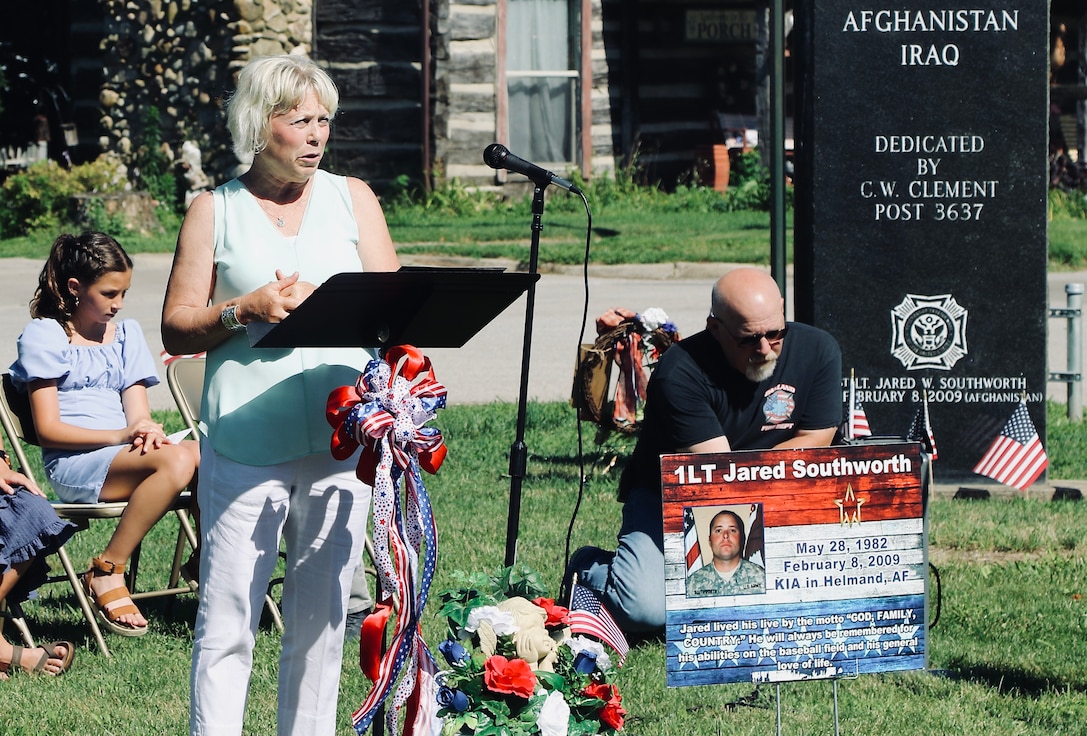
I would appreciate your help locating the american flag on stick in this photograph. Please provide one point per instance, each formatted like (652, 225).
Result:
(1016, 458)
(921, 429)
(588, 616)
(856, 423)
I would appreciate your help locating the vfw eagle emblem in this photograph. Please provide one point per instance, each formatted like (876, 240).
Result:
(928, 332)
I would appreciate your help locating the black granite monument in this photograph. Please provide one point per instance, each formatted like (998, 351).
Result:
(921, 181)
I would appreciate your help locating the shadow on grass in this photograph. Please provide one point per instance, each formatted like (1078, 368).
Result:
(604, 232)
(58, 618)
(1011, 681)
(566, 467)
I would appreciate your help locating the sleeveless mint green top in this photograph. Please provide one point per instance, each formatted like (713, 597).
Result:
(264, 406)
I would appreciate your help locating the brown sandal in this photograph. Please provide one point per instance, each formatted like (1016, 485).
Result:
(110, 616)
(48, 653)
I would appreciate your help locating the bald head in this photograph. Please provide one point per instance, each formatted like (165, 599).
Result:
(746, 295)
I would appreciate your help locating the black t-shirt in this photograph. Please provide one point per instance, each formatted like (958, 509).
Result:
(695, 395)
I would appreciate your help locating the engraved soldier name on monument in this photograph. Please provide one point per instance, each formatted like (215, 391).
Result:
(920, 229)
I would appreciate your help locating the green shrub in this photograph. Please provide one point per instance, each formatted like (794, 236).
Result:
(1063, 203)
(448, 196)
(627, 188)
(749, 183)
(96, 216)
(36, 199)
(153, 169)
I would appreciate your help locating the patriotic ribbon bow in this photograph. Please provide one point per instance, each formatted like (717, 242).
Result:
(384, 414)
(384, 403)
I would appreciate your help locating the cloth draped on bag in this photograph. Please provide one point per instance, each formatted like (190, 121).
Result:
(635, 350)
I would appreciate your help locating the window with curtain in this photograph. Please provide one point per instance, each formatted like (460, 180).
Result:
(542, 77)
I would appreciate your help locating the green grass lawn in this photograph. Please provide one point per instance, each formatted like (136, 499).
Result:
(653, 230)
(1008, 653)
(618, 236)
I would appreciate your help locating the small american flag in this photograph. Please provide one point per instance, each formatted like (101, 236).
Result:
(588, 616)
(692, 549)
(425, 697)
(921, 430)
(1016, 458)
(856, 421)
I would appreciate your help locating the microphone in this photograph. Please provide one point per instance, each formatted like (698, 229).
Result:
(498, 156)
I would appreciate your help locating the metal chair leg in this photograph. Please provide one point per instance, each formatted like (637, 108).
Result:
(14, 612)
(84, 603)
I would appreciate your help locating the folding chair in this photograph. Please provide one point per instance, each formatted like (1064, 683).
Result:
(185, 377)
(18, 426)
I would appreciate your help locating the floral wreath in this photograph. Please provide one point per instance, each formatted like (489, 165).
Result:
(515, 668)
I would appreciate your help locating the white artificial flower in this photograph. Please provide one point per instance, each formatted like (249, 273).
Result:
(554, 717)
(501, 621)
(653, 318)
(580, 644)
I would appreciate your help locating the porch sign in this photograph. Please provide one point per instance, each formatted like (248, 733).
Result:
(920, 222)
(841, 535)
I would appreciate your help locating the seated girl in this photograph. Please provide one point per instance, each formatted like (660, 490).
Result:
(87, 376)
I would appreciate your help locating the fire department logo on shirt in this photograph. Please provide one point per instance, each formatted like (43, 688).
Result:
(928, 332)
(779, 404)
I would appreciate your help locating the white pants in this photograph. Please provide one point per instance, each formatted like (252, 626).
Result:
(319, 508)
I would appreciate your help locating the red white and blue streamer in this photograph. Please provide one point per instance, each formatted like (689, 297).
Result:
(384, 414)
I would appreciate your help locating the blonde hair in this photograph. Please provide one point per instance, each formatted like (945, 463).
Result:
(270, 86)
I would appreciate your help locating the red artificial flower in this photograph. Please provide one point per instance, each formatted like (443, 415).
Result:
(509, 676)
(556, 615)
(612, 713)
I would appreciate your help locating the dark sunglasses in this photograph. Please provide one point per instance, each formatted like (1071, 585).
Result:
(751, 341)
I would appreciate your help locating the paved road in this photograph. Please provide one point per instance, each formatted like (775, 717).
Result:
(488, 367)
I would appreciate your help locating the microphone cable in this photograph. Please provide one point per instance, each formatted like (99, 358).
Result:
(565, 588)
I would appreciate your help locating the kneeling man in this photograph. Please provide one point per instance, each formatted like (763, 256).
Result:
(749, 381)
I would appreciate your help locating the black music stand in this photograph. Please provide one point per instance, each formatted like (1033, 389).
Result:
(424, 307)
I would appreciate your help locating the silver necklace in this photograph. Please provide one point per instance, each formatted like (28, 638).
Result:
(279, 220)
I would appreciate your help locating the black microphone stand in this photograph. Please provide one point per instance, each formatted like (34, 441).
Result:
(519, 450)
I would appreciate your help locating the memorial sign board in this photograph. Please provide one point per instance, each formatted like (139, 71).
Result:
(836, 578)
(920, 229)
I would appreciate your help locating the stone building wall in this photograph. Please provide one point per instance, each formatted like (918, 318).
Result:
(178, 58)
(466, 116)
(173, 57)
(374, 51)
(605, 51)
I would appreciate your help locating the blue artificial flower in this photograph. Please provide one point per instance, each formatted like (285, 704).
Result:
(453, 652)
(452, 699)
(585, 662)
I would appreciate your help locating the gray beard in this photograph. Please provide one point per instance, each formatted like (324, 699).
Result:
(757, 373)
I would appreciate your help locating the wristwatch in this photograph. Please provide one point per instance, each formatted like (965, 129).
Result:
(229, 318)
(5, 458)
